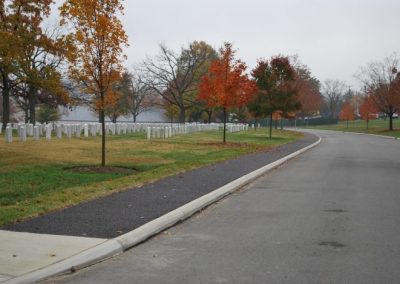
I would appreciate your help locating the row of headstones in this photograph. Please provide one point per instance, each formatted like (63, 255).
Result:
(154, 130)
(169, 131)
(237, 127)
(69, 130)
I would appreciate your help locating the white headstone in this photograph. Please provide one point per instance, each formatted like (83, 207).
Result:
(148, 132)
(22, 134)
(48, 131)
(59, 131)
(36, 132)
(8, 137)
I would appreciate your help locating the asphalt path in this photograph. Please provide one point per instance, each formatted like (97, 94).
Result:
(332, 215)
(122, 212)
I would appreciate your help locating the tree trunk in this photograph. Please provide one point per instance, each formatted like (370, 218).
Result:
(134, 117)
(6, 102)
(181, 115)
(103, 131)
(209, 113)
(391, 121)
(224, 137)
(103, 139)
(276, 124)
(32, 104)
(270, 126)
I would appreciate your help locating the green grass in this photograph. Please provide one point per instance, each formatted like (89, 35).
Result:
(378, 126)
(34, 179)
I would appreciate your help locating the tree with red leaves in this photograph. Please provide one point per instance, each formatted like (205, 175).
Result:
(226, 85)
(347, 113)
(368, 109)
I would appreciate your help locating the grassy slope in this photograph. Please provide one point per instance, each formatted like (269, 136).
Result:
(378, 126)
(34, 179)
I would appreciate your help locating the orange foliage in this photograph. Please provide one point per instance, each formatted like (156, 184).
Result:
(347, 112)
(226, 85)
(95, 50)
(368, 109)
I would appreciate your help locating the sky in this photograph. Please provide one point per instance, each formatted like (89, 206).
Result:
(332, 37)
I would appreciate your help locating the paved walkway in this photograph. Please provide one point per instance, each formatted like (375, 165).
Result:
(87, 225)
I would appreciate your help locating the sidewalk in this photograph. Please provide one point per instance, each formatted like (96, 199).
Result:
(106, 226)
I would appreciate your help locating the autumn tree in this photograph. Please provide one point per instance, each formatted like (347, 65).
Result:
(368, 109)
(347, 113)
(175, 77)
(96, 53)
(333, 92)
(308, 91)
(276, 80)
(38, 64)
(17, 20)
(381, 80)
(226, 85)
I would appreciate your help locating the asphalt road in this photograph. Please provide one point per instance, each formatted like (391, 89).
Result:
(332, 215)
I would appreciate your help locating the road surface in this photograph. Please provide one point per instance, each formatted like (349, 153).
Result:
(332, 215)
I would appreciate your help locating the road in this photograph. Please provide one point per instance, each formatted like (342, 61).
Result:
(332, 215)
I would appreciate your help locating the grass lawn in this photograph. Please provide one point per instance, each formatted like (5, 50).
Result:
(377, 126)
(35, 176)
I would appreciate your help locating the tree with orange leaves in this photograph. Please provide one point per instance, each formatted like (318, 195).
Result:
(347, 113)
(368, 109)
(96, 46)
(226, 85)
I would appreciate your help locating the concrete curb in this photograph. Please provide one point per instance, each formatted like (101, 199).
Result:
(85, 258)
(121, 243)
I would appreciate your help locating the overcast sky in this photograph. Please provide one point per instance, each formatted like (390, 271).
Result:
(333, 38)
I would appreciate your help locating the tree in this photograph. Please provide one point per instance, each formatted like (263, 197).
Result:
(29, 56)
(136, 95)
(333, 91)
(48, 114)
(96, 53)
(275, 80)
(368, 109)
(308, 91)
(226, 85)
(381, 81)
(17, 18)
(347, 113)
(39, 80)
(175, 77)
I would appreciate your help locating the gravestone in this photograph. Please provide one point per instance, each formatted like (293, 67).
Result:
(36, 132)
(48, 131)
(59, 131)
(8, 137)
(22, 133)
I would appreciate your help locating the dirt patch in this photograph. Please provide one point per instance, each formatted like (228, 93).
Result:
(102, 170)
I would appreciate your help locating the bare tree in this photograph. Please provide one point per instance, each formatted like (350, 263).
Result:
(175, 77)
(381, 82)
(138, 95)
(333, 91)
